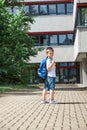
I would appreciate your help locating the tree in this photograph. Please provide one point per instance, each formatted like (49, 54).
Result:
(16, 46)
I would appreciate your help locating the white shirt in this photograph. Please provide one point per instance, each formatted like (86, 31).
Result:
(51, 73)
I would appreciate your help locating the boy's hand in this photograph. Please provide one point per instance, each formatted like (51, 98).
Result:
(54, 62)
(51, 65)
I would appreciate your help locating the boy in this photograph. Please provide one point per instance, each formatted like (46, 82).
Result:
(50, 81)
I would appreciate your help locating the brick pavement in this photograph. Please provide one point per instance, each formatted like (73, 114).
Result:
(23, 111)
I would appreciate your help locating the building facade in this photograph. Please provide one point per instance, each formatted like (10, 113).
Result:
(61, 24)
(80, 37)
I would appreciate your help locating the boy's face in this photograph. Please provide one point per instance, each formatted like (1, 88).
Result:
(50, 53)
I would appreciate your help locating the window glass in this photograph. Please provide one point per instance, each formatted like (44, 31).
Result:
(15, 10)
(68, 74)
(77, 63)
(72, 75)
(34, 9)
(53, 39)
(63, 64)
(44, 40)
(69, 8)
(71, 63)
(43, 9)
(84, 16)
(26, 9)
(63, 75)
(61, 8)
(62, 39)
(70, 39)
(36, 39)
(52, 9)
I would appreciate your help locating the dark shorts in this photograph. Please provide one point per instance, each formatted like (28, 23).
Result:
(50, 83)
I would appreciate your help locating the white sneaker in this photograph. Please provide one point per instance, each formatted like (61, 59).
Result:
(44, 102)
(53, 102)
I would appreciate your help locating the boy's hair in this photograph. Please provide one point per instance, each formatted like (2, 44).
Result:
(49, 48)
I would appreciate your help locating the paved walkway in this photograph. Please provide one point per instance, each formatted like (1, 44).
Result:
(23, 111)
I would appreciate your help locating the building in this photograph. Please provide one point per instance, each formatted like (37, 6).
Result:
(80, 37)
(61, 24)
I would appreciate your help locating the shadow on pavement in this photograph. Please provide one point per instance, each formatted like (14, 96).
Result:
(72, 103)
(71, 89)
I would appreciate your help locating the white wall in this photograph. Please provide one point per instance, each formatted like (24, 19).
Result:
(82, 1)
(83, 39)
(52, 23)
(80, 45)
(61, 54)
(74, 12)
(76, 45)
(84, 72)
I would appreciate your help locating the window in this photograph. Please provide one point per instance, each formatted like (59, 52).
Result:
(37, 41)
(67, 72)
(81, 16)
(69, 8)
(44, 40)
(71, 63)
(63, 64)
(66, 39)
(63, 75)
(53, 39)
(69, 39)
(52, 9)
(84, 16)
(43, 9)
(26, 9)
(62, 39)
(34, 9)
(15, 10)
(61, 8)
(46, 9)
(47, 39)
(72, 75)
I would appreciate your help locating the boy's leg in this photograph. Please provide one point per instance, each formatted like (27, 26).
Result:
(52, 101)
(44, 94)
(51, 81)
(51, 95)
(52, 87)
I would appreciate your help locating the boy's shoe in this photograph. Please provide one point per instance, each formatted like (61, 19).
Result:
(53, 102)
(44, 102)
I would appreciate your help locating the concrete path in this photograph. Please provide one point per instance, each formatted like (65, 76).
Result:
(23, 111)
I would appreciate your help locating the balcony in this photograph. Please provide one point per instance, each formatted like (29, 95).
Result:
(80, 44)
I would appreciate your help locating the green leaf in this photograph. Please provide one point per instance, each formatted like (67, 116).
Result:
(16, 46)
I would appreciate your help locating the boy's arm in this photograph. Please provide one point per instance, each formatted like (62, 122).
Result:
(50, 65)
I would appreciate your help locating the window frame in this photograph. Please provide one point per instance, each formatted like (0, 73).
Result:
(37, 9)
(48, 42)
(46, 9)
(63, 13)
(67, 8)
(53, 44)
(55, 9)
(28, 9)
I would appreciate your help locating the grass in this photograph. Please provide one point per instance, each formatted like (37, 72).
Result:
(5, 88)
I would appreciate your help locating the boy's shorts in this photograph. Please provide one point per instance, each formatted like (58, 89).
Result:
(50, 83)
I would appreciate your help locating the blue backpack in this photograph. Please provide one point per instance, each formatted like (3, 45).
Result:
(42, 70)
